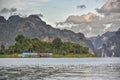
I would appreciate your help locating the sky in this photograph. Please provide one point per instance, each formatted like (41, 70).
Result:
(52, 10)
(59, 11)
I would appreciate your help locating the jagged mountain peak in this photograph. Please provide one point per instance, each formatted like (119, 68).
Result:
(14, 18)
(34, 16)
(2, 19)
(118, 32)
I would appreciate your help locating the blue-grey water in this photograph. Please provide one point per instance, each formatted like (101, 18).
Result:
(60, 69)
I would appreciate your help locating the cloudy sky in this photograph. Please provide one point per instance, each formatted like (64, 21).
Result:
(91, 17)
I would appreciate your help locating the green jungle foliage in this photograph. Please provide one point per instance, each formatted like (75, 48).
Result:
(24, 44)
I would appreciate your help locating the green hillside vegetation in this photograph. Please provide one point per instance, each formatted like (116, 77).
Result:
(57, 47)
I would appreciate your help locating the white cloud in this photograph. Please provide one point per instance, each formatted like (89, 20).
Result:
(107, 26)
(85, 18)
(96, 28)
(92, 25)
(90, 28)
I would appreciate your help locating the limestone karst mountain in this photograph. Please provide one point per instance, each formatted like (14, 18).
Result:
(107, 44)
(34, 27)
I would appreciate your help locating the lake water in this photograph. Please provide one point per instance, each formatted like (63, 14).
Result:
(60, 69)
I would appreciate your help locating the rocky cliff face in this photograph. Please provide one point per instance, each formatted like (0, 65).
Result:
(34, 27)
(108, 44)
(98, 41)
(113, 45)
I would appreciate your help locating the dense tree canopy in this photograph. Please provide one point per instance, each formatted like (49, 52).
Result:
(24, 44)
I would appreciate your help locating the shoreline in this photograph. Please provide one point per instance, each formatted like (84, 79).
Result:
(53, 56)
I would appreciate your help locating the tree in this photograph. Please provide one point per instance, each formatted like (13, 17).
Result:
(19, 38)
(2, 49)
(57, 43)
(24, 44)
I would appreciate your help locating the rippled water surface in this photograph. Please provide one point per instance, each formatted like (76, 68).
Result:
(60, 69)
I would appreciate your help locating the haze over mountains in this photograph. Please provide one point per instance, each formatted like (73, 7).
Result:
(106, 19)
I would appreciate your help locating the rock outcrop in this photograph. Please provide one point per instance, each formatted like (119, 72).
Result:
(107, 45)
